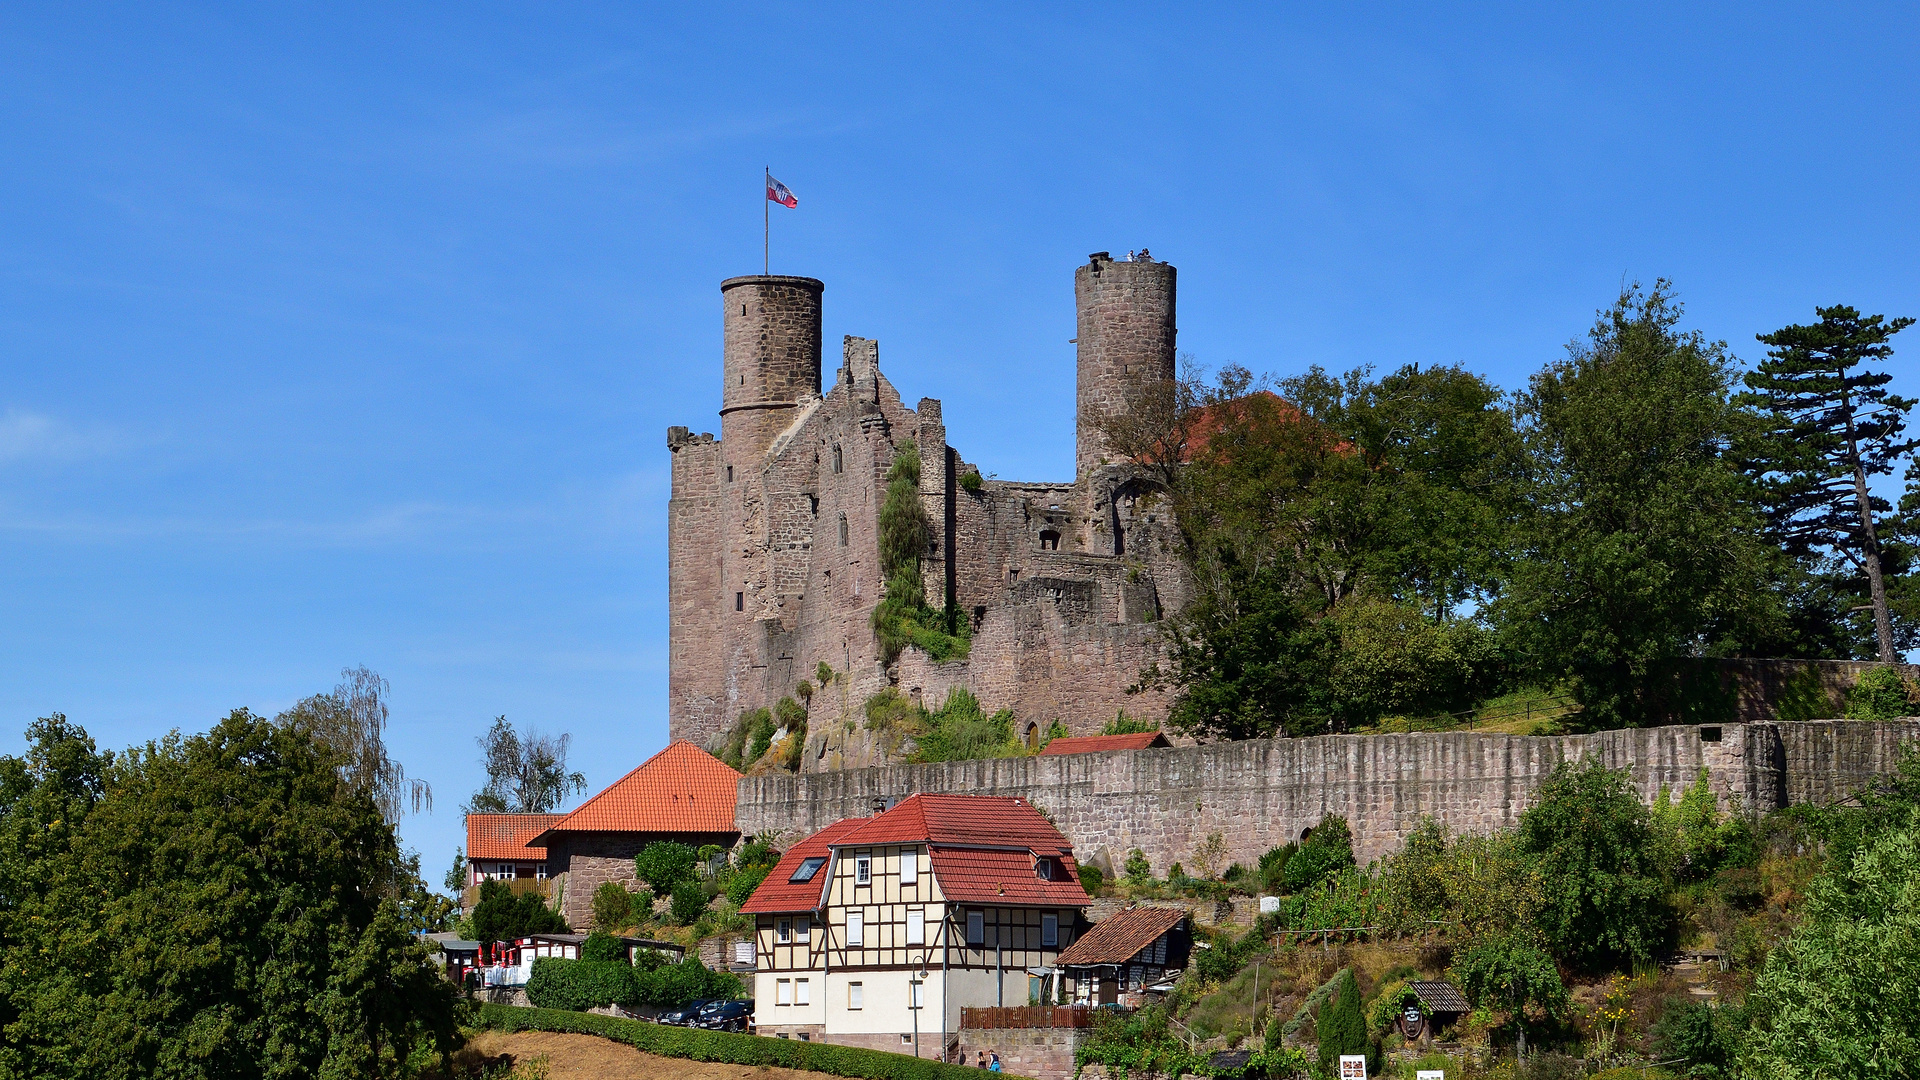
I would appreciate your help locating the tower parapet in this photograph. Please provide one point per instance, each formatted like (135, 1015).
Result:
(1125, 319)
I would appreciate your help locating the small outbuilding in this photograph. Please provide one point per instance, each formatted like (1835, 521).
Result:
(1127, 956)
(1104, 744)
(1441, 1002)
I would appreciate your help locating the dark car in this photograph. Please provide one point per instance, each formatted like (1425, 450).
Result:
(686, 1015)
(726, 1016)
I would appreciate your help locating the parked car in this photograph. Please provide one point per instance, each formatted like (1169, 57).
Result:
(686, 1015)
(726, 1016)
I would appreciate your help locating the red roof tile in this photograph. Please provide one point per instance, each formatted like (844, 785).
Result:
(977, 820)
(1094, 744)
(682, 789)
(1121, 936)
(505, 836)
(779, 892)
(974, 876)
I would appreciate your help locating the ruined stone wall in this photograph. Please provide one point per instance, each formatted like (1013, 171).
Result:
(1262, 793)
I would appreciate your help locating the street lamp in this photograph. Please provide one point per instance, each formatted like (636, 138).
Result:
(915, 981)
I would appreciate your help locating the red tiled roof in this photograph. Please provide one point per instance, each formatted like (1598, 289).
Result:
(505, 836)
(682, 789)
(976, 820)
(1093, 744)
(974, 876)
(1120, 937)
(779, 892)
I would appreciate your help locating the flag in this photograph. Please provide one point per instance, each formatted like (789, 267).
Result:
(777, 192)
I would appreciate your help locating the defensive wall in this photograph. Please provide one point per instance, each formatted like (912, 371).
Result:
(1258, 794)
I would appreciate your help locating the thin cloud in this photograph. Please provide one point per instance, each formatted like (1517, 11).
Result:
(26, 436)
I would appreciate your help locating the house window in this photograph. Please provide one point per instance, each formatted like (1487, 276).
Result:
(856, 928)
(843, 530)
(863, 869)
(917, 992)
(836, 459)
(743, 952)
(783, 930)
(910, 866)
(916, 928)
(1050, 930)
(802, 992)
(783, 992)
(976, 928)
(856, 996)
(802, 929)
(1044, 869)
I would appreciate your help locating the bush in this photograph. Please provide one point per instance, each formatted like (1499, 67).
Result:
(689, 900)
(694, 1044)
(612, 906)
(1327, 850)
(669, 986)
(1594, 846)
(740, 887)
(1879, 694)
(971, 482)
(663, 865)
(1092, 879)
(1702, 1038)
(558, 983)
(1122, 724)
(1138, 870)
(1273, 866)
(502, 916)
(601, 946)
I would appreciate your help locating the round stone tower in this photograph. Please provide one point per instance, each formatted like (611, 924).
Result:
(771, 360)
(1125, 317)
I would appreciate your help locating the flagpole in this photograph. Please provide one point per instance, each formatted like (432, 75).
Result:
(766, 224)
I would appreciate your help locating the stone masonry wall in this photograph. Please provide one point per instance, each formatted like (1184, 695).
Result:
(1040, 1053)
(1261, 793)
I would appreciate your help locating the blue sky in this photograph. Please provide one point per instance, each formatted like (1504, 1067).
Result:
(330, 335)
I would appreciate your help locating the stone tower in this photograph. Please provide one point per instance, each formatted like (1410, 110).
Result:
(771, 361)
(1126, 331)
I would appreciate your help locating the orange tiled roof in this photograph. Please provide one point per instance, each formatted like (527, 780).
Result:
(1093, 744)
(682, 789)
(780, 892)
(1120, 937)
(974, 876)
(505, 836)
(976, 820)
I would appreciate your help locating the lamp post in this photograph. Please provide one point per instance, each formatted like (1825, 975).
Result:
(915, 981)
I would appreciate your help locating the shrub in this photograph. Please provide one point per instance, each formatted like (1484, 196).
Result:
(971, 483)
(740, 887)
(1879, 694)
(1122, 724)
(1593, 844)
(502, 916)
(723, 1047)
(612, 906)
(1703, 1038)
(1273, 865)
(1138, 870)
(602, 946)
(689, 900)
(1327, 850)
(1092, 879)
(669, 986)
(664, 864)
(558, 983)
(758, 853)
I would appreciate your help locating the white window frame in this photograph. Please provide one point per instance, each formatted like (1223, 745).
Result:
(802, 992)
(916, 927)
(783, 992)
(863, 869)
(857, 929)
(856, 997)
(976, 929)
(782, 931)
(802, 929)
(910, 866)
(1049, 930)
(917, 993)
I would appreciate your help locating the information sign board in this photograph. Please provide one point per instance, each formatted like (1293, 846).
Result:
(1353, 1067)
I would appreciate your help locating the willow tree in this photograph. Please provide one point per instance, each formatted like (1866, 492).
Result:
(352, 721)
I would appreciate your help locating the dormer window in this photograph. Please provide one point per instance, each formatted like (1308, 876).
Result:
(806, 870)
(1047, 870)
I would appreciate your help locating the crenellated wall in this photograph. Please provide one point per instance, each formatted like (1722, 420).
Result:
(1261, 793)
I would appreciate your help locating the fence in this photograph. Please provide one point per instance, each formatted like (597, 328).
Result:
(1028, 1016)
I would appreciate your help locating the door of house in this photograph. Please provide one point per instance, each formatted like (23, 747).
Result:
(1109, 989)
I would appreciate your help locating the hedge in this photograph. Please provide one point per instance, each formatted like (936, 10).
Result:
(698, 1045)
(560, 983)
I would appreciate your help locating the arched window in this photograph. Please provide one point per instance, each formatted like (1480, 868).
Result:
(836, 458)
(843, 530)
(1033, 736)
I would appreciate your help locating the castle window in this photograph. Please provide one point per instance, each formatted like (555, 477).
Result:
(1013, 576)
(836, 459)
(813, 505)
(1033, 736)
(1049, 540)
(843, 530)
(729, 474)
(739, 601)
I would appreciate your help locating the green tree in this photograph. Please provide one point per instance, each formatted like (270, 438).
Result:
(1515, 978)
(352, 721)
(612, 907)
(1833, 426)
(382, 999)
(664, 864)
(1640, 546)
(689, 900)
(526, 772)
(1342, 1026)
(1880, 693)
(1327, 850)
(456, 879)
(202, 905)
(1702, 1037)
(1599, 864)
(1836, 998)
(1395, 661)
(903, 616)
(502, 915)
(601, 945)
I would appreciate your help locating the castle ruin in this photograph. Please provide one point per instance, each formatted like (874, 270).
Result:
(773, 542)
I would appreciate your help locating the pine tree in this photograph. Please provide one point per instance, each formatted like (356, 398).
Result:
(1835, 425)
(1342, 1028)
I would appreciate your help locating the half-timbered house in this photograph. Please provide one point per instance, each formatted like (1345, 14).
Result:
(878, 931)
